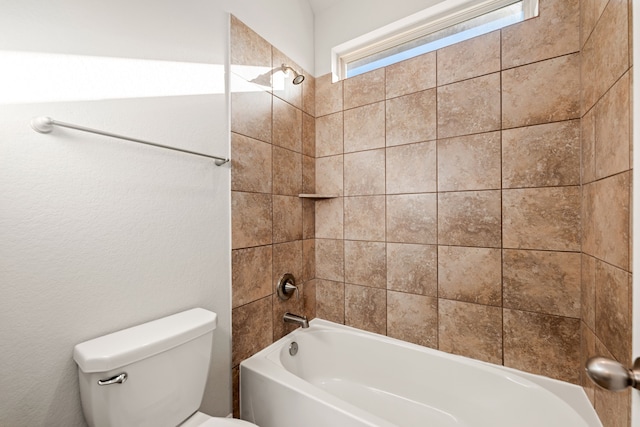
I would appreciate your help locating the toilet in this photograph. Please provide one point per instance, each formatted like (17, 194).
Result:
(152, 374)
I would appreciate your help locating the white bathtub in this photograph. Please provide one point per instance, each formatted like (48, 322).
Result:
(345, 377)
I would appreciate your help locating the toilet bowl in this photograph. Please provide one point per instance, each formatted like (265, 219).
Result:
(150, 375)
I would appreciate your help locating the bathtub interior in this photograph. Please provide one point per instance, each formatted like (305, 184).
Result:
(406, 384)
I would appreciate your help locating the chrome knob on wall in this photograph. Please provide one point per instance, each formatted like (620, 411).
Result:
(287, 286)
(612, 375)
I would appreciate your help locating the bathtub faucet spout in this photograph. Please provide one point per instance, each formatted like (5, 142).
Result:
(298, 320)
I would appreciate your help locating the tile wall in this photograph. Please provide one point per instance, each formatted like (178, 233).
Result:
(272, 152)
(458, 221)
(605, 40)
(483, 195)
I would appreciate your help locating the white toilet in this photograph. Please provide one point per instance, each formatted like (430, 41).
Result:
(152, 374)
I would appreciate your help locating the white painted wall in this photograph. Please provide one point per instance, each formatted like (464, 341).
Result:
(98, 234)
(344, 21)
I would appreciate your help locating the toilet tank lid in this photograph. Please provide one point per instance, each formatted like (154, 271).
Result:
(139, 342)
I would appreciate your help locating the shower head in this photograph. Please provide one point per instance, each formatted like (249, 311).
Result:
(297, 77)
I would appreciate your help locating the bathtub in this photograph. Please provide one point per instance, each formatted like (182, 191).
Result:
(345, 377)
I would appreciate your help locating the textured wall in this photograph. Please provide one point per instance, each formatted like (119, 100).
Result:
(272, 151)
(606, 188)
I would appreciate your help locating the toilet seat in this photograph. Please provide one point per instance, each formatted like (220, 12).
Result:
(200, 419)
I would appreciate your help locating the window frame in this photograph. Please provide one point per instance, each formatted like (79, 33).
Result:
(440, 16)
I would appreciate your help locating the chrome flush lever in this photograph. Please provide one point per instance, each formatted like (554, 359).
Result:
(118, 379)
(612, 375)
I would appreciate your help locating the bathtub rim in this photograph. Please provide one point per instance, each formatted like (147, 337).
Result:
(572, 394)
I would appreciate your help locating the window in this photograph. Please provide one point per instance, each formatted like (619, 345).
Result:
(447, 23)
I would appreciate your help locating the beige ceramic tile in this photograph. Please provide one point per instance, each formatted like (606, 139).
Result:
(251, 329)
(308, 135)
(531, 340)
(470, 274)
(308, 260)
(412, 218)
(411, 118)
(613, 313)
(469, 162)
(587, 351)
(330, 300)
(250, 54)
(364, 89)
(282, 83)
(610, 218)
(364, 127)
(251, 222)
(588, 291)
(287, 258)
(308, 218)
(411, 168)
(308, 174)
(251, 114)
(365, 308)
(309, 94)
(235, 380)
(329, 175)
(287, 172)
(250, 274)
(250, 165)
(555, 32)
(605, 56)
(309, 299)
(612, 130)
(328, 96)
(613, 409)
(542, 218)
(287, 218)
(470, 330)
(364, 218)
(365, 263)
(330, 260)
(412, 268)
(590, 11)
(330, 219)
(413, 75)
(469, 218)
(412, 318)
(588, 139)
(542, 92)
(541, 156)
(588, 214)
(544, 282)
(470, 58)
(287, 126)
(364, 173)
(329, 135)
(469, 106)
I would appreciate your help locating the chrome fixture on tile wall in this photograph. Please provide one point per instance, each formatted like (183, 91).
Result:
(612, 375)
(297, 77)
(287, 286)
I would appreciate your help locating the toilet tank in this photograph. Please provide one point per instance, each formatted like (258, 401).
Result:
(166, 362)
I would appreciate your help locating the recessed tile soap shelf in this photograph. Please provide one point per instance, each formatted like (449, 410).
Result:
(318, 196)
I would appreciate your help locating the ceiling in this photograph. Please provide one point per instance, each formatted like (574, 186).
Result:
(320, 5)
